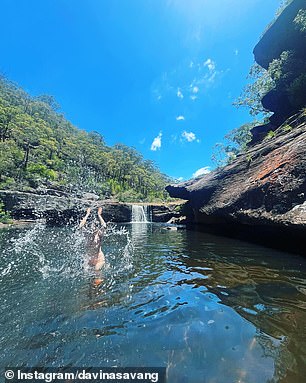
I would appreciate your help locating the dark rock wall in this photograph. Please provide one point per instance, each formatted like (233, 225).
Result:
(281, 36)
(285, 99)
(64, 209)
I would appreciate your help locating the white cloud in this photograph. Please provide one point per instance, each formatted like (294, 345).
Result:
(177, 179)
(236, 52)
(180, 118)
(210, 65)
(195, 89)
(156, 144)
(212, 77)
(190, 80)
(179, 93)
(189, 136)
(201, 172)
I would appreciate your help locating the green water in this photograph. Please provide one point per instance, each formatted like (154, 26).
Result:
(207, 308)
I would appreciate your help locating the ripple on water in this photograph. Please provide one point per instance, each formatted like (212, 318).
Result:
(200, 305)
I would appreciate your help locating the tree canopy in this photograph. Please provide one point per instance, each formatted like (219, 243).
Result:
(39, 148)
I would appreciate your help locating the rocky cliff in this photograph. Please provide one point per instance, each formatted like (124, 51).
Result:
(282, 35)
(58, 208)
(264, 189)
(265, 185)
(284, 42)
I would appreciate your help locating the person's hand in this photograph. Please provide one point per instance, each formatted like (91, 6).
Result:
(88, 211)
(100, 210)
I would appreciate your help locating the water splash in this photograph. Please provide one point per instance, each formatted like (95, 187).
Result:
(37, 244)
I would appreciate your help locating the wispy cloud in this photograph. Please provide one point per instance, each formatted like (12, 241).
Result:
(201, 172)
(156, 144)
(188, 81)
(180, 118)
(179, 93)
(188, 136)
(210, 64)
(236, 52)
(195, 89)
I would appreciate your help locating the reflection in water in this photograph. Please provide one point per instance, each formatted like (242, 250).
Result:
(139, 232)
(208, 308)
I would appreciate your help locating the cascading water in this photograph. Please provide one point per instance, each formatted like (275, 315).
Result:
(140, 214)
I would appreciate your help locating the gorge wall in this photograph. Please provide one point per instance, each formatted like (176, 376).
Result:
(264, 188)
(59, 209)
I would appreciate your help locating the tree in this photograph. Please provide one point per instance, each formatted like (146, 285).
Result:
(39, 147)
(253, 93)
(236, 142)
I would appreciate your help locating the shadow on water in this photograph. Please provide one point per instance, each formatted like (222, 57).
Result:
(208, 308)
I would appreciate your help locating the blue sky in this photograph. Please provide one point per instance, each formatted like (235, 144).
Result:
(158, 75)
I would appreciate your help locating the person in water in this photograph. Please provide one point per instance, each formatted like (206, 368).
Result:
(94, 234)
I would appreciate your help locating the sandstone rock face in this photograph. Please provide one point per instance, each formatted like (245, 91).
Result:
(262, 193)
(289, 93)
(264, 186)
(163, 213)
(281, 36)
(61, 209)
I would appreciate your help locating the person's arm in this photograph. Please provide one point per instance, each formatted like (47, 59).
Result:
(102, 222)
(84, 220)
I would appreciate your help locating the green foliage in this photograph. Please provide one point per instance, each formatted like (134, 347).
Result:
(261, 84)
(286, 128)
(300, 21)
(287, 74)
(236, 141)
(241, 136)
(270, 134)
(4, 216)
(40, 148)
(249, 159)
(283, 5)
(129, 196)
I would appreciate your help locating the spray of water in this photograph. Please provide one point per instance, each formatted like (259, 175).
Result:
(60, 252)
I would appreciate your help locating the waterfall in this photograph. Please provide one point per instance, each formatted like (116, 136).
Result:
(140, 214)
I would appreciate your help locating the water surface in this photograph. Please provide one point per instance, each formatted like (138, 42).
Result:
(210, 309)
